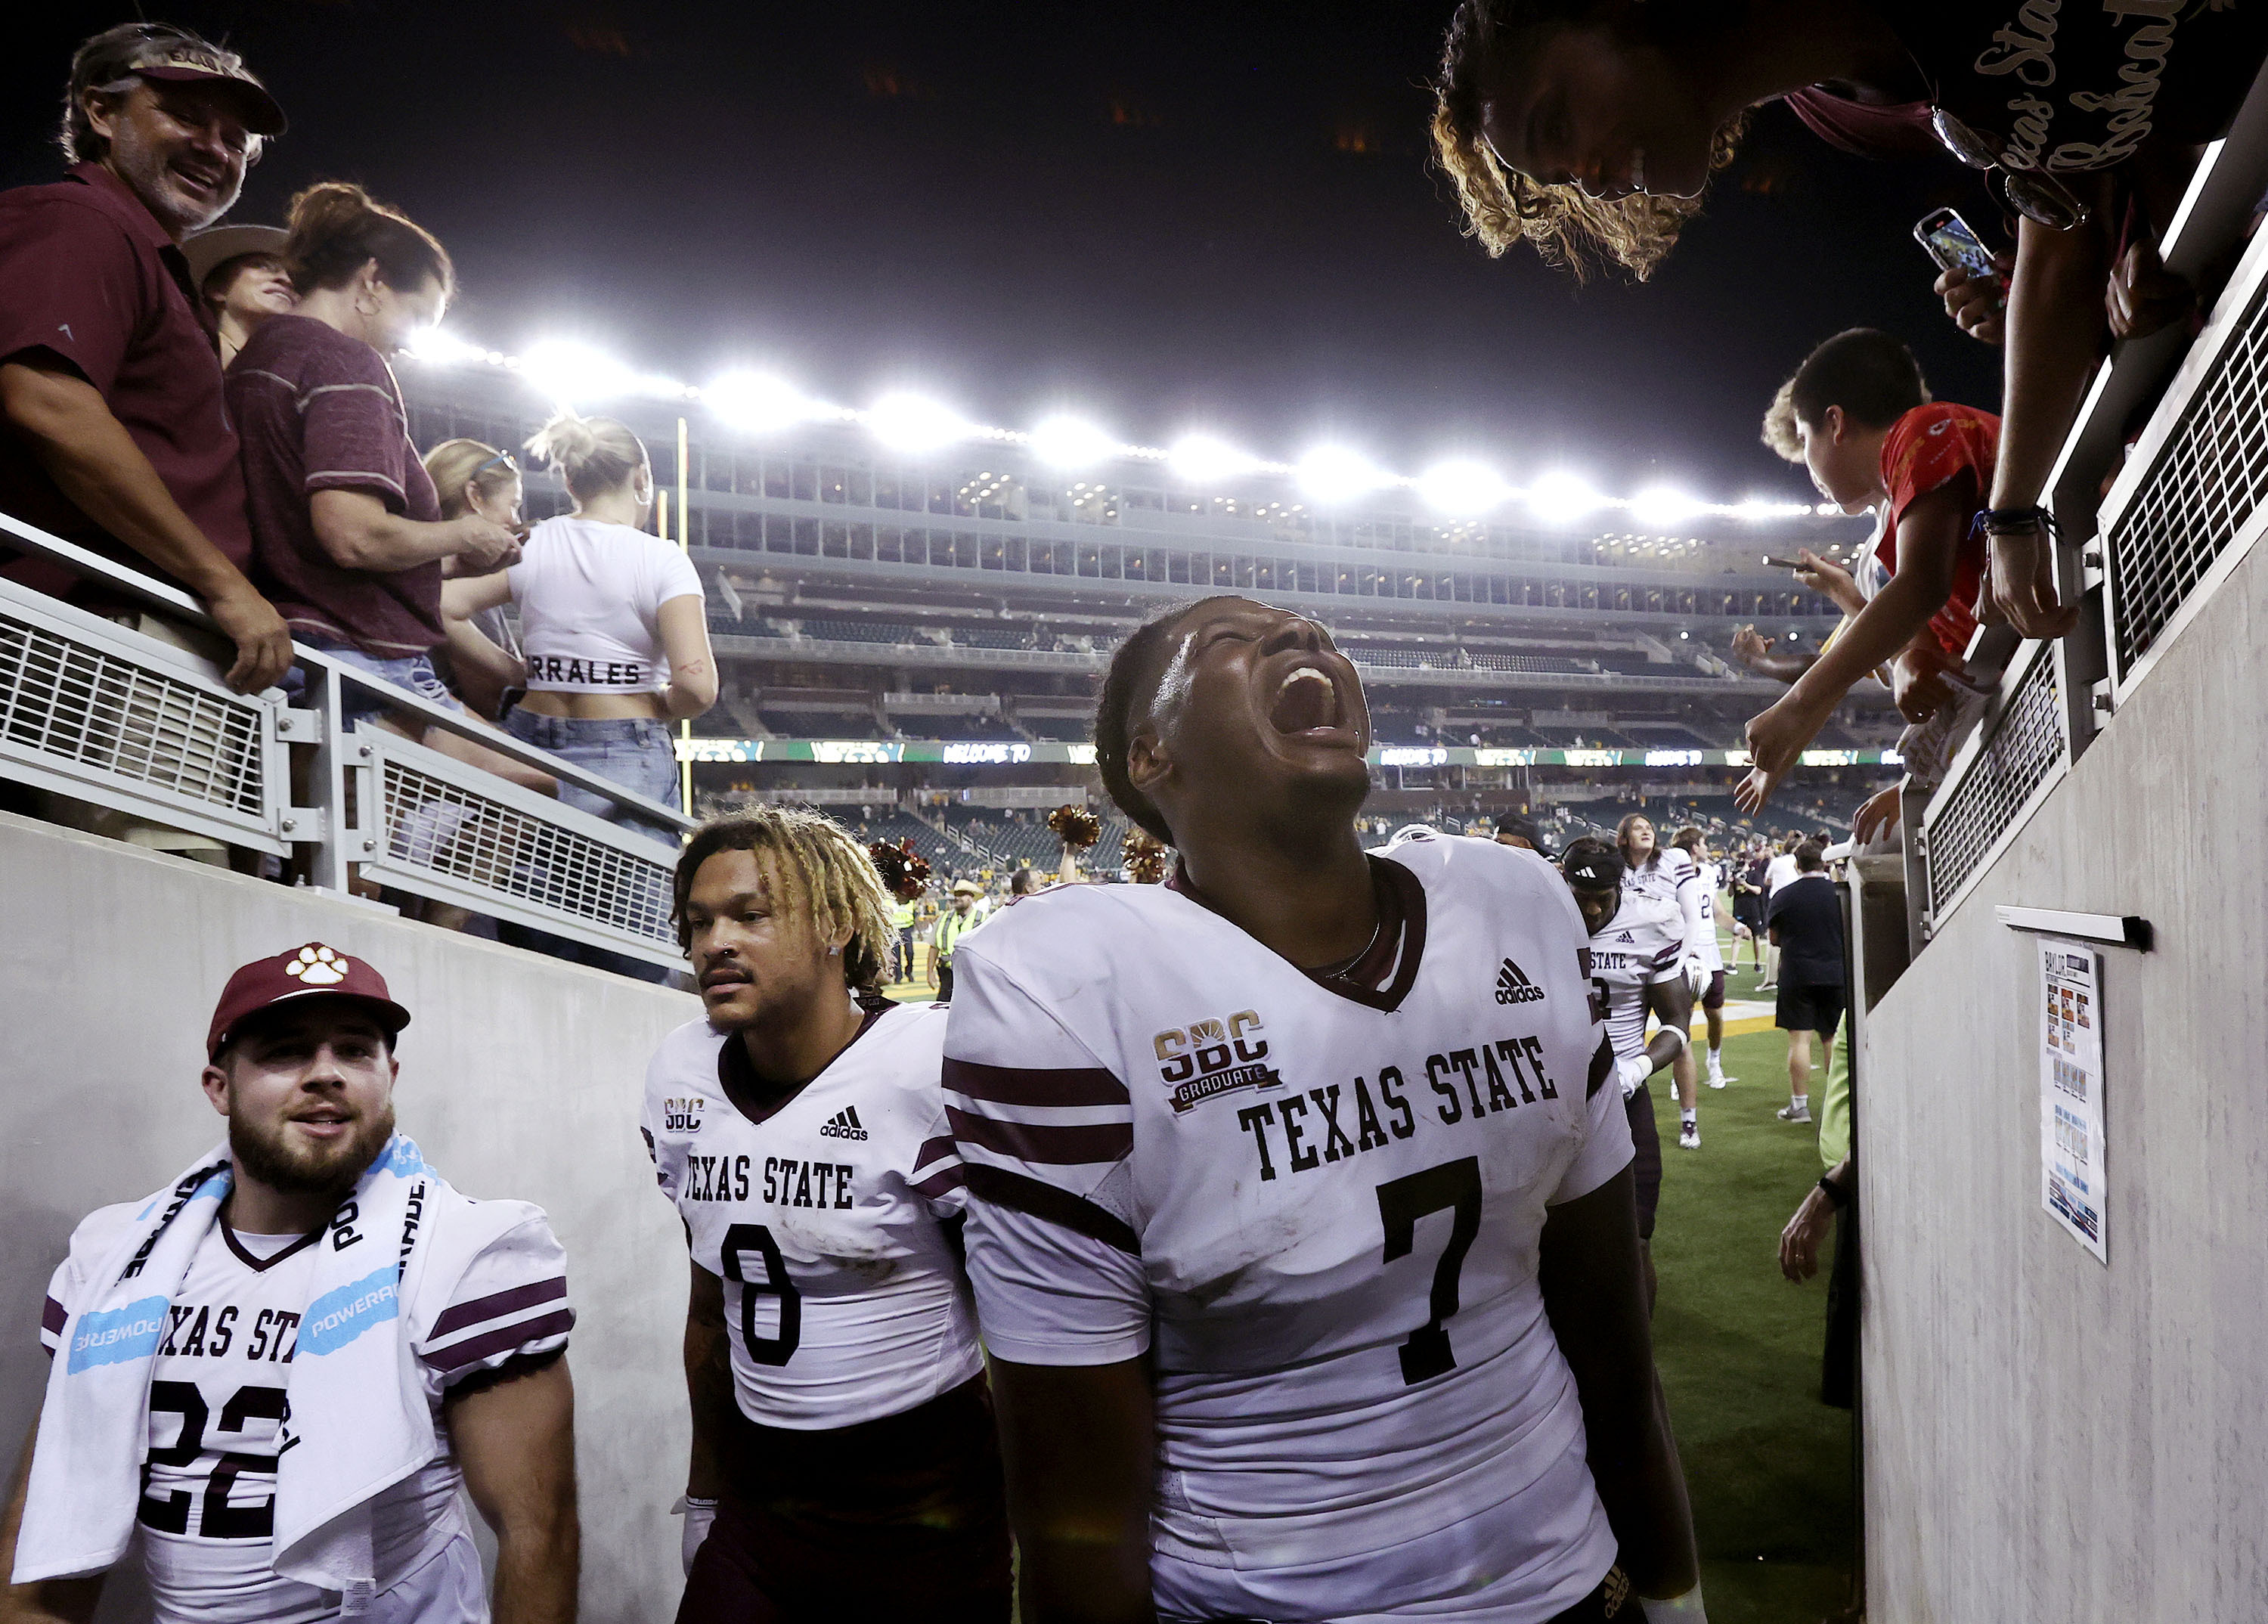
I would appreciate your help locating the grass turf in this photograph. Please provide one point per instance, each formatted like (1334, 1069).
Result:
(1769, 1466)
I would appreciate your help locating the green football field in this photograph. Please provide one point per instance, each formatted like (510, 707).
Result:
(1768, 1465)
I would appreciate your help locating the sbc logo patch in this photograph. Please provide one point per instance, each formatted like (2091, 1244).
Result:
(1210, 1058)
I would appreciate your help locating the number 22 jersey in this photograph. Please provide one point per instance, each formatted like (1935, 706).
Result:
(844, 1298)
(1317, 1204)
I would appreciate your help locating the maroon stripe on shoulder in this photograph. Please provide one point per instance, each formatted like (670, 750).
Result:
(556, 1323)
(932, 1149)
(1049, 1145)
(53, 1316)
(945, 1178)
(1019, 1085)
(1043, 1202)
(459, 1315)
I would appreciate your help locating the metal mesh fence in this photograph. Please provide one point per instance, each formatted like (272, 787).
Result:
(81, 706)
(473, 839)
(2210, 479)
(2025, 746)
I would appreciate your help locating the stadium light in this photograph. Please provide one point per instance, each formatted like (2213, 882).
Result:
(914, 423)
(576, 373)
(1663, 505)
(437, 346)
(579, 374)
(757, 403)
(1334, 474)
(1201, 459)
(1063, 441)
(1562, 499)
(1461, 485)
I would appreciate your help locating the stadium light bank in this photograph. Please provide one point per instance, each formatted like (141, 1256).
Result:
(758, 403)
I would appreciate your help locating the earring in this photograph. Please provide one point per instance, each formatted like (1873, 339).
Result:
(831, 952)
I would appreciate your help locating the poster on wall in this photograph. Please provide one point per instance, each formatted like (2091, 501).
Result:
(2071, 1088)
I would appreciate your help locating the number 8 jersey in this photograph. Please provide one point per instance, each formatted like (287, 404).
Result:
(845, 1299)
(1316, 1204)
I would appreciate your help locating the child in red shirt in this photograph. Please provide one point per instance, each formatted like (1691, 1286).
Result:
(1859, 417)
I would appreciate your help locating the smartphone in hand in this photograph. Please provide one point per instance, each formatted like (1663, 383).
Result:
(1948, 239)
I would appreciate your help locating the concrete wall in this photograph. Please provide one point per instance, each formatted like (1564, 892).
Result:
(2047, 1437)
(521, 1076)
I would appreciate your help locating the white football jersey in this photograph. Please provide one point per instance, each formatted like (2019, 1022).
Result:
(1317, 1206)
(217, 1406)
(844, 1299)
(1642, 944)
(1712, 882)
(1673, 877)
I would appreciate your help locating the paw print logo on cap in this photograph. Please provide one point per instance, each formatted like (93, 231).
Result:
(317, 965)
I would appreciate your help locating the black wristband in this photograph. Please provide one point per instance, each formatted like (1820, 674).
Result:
(1836, 1194)
(2015, 521)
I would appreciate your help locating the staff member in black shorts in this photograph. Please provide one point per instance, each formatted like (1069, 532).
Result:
(1806, 923)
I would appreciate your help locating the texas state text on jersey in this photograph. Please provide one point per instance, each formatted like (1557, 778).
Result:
(1318, 1211)
(843, 1300)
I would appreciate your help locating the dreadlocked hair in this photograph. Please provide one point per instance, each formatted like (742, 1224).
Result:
(1569, 228)
(814, 866)
(1129, 686)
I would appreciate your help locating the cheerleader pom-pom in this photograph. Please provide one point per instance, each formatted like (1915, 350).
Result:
(1146, 858)
(904, 871)
(1078, 828)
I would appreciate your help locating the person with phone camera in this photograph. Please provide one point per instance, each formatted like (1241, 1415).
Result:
(1858, 415)
(1591, 128)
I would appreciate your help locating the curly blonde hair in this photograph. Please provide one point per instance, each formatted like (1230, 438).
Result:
(1780, 432)
(1568, 227)
(814, 866)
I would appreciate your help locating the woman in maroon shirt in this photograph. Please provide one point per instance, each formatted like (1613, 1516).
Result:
(348, 537)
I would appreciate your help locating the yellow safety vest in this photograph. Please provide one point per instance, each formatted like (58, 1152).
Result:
(951, 925)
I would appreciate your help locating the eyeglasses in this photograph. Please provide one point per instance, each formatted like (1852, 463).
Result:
(2032, 193)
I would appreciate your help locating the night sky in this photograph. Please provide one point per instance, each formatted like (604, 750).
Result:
(1163, 215)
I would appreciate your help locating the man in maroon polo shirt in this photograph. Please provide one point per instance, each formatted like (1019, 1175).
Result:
(114, 433)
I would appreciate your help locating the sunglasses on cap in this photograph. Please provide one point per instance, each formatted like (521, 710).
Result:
(2032, 193)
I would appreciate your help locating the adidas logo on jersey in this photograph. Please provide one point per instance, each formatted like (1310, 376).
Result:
(844, 1125)
(1625, 936)
(1512, 986)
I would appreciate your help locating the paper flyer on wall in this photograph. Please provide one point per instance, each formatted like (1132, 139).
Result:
(2072, 1184)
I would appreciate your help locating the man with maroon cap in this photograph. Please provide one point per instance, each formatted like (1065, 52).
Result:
(281, 1368)
(113, 430)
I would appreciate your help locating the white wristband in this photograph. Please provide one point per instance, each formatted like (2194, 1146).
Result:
(1684, 1609)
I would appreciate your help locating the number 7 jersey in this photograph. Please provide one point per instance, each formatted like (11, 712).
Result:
(1317, 1206)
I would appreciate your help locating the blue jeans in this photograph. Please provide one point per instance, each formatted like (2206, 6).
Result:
(360, 705)
(634, 752)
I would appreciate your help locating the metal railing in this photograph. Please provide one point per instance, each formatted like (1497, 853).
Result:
(2019, 752)
(2142, 559)
(108, 714)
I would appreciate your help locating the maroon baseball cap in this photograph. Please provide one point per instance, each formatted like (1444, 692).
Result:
(309, 971)
(185, 62)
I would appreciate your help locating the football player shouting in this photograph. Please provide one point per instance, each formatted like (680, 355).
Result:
(844, 1463)
(1301, 1223)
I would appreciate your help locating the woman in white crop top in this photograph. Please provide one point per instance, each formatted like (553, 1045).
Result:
(611, 621)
